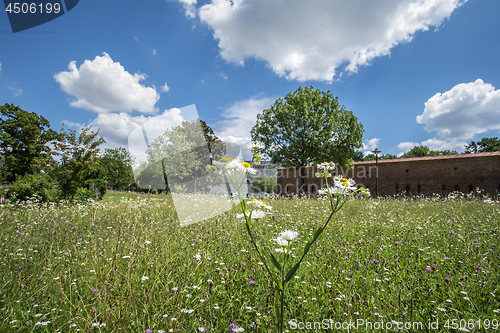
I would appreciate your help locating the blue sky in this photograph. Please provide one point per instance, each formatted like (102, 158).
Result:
(413, 72)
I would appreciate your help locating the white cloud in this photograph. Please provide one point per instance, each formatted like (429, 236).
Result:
(223, 76)
(102, 86)
(189, 7)
(165, 88)
(73, 124)
(314, 39)
(461, 113)
(15, 91)
(407, 146)
(116, 127)
(0, 67)
(369, 146)
(239, 118)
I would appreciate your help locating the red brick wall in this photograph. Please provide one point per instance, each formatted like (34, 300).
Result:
(424, 175)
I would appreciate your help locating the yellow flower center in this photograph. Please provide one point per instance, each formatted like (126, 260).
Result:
(245, 164)
(226, 159)
(343, 180)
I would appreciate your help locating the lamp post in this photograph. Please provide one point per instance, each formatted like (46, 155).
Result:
(376, 152)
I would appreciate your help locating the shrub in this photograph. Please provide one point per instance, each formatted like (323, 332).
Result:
(98, 187)
(83, 194)
(29, 186)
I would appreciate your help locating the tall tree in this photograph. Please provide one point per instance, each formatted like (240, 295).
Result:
(24, 138)
(181, 154)
(422, 151)
(79, 158)
(116, 167)
(308, 126)
(484, 145)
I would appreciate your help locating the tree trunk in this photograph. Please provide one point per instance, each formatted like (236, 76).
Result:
(303, 188)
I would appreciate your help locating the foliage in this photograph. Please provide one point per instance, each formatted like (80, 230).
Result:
(307, 127)
(83, 194)
(263, 184)
(116, 167)
(180, 155)
(79, 159)
(422, 151)
(484, 145)
(23, 142)
(98, 187)
(29, 186)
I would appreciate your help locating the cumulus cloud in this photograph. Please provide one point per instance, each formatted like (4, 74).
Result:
(315, 39)
(116, 127)
(238, 120)
(461, 113)
(369, 146)
(189, 7)
(407, 146)
(102, 86)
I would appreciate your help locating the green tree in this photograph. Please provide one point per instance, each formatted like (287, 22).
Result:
(484, 145)
(419, 151)
(181, 154)
(116, 167)
(422, 151)
(263, 184)
(79, 159)
(308, 126)
(24, 138)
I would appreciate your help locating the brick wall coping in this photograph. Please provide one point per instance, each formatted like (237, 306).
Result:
(431, 158)
(426, 158)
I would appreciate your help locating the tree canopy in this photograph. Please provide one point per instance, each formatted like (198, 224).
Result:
(308, 126)
(116, 167)
(180, 155)
(484, 145)
(24, 139)
(79, 158)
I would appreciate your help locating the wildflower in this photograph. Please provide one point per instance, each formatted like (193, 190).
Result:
(288, 235)
(252, 282)
(447, 279)
(281, 242)
(256, 145)
(258, 214)
(197, 256)
(259, 203)
(95, 290)
(144, 278)
(326, 166)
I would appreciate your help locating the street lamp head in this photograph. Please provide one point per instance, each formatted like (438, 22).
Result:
(376, 151)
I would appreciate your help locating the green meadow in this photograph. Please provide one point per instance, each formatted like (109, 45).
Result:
(124, 264)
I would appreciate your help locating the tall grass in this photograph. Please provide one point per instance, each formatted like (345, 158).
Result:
(126, 265)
